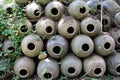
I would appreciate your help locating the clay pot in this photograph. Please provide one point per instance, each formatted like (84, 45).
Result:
(68, 27)
(117, 18)
(22, 1)
(24, 67)
(111, 6)
(91, 27)
(33, 11)
(54, 10)
(104, 44)
(115, 33)
(106, 22)
(48, 69)
(57, 46)
(94, 65)
(43, 2)
(71, 66)
(25, 27)
(113, 63)
(46, 28)
(31, 45)
(82, 45)
(79, 9)
(94, 4)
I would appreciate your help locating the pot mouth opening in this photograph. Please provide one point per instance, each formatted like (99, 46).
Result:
(104, 22)
(98, 7)
(70, 30)
(118, 40)
(48, 29)
(82, 10)
(9, 10)
(47, 75)
(97, 71)
(24, 28)
(37, 12)
(11, 48)
(118, 69)
(23, 72)
(107, 45)
(31, 46)
(71, 70)
(85, 47)
(90, 27)
(57, 49)
(54, 11)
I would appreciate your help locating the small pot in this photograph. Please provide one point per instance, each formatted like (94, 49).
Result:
(31, 45)
(91, 27)
(82, 46)
(71, 66)
(68, 27)
(33, 11)
(45, 27)
(94, 65)
(57, 46)
(48, 69)
(24, 67)
(54, 10)
(104, 44)
(79, 9)
(113, 64)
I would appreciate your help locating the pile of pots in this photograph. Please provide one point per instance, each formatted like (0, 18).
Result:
(71, 38)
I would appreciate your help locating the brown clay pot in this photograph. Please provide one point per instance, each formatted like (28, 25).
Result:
(45, 27)
(113, 63)
(82, 45)
(43, 2)
(115, 33)
(91, 27)
(31, 45)
(48, 69)
(24, 67)
(71, 66)
(68, 27)
(104, 44)
(25, 27)
(57, 46)
(78, 8)
(33, 11)
(94, 65)
(54, 10)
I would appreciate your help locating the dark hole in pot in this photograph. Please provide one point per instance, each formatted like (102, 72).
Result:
(36, 12)
(9, 10)
(97, 71)
(47, 75)
(49, 29)
(24, 28)
(70, 30)
(99, 7)
(71, 70)
(31, 46)
(119, 39)
(90, 27)
(85, 47)
(107, 45)
(118, 69)
(54, 11)
(23, 72)
(57, 49)
(82, 10)
(10, 48)
(104, 22)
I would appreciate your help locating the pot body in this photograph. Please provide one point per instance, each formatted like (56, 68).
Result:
(82, 45)
(95, 65)
(48, 69)
(57, 46)
(24, 67)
